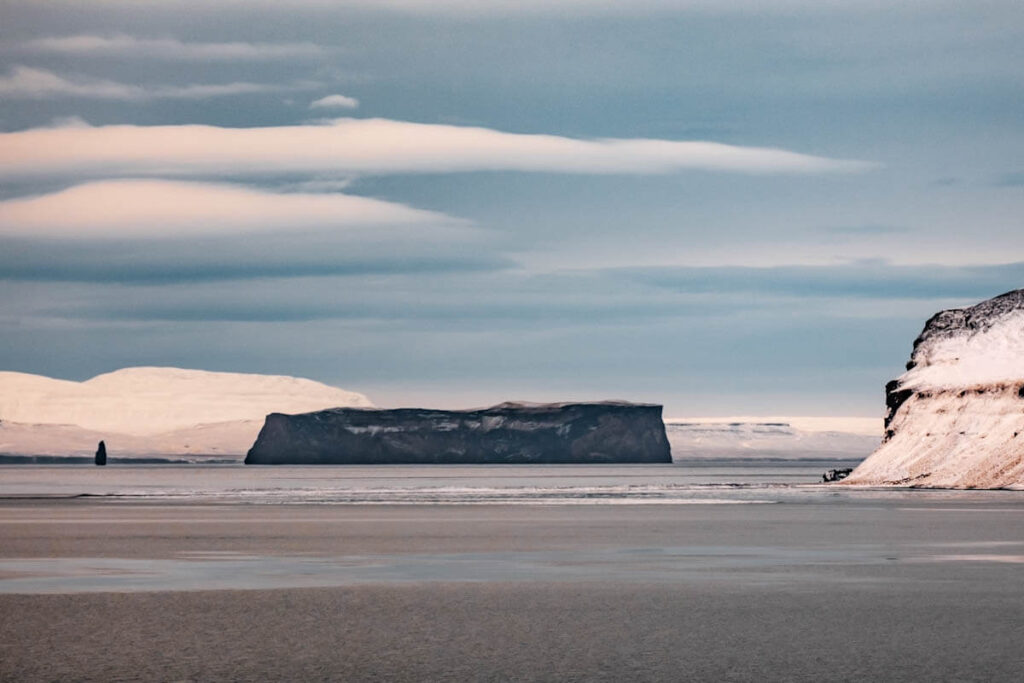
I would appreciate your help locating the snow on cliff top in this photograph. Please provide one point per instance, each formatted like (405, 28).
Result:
(150, 400)
(850, 425)
(966, 347)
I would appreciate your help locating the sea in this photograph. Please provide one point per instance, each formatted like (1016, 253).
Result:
(724, 570)
(685, 482)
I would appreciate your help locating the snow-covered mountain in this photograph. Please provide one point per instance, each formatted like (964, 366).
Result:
(152, 411)
(788, 438)
(956, 417)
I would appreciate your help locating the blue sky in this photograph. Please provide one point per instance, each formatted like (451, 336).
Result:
(727, 207)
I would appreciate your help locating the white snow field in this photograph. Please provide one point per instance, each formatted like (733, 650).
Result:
(150, 410)
(987, 357)
(961, 424)
(787, 438)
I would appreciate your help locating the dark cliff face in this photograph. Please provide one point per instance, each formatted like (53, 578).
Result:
(609, 432)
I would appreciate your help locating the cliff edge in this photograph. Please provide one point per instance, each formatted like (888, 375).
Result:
(955, 419)
(607, 432)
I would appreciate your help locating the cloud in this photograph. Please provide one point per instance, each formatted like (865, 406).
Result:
(163, 209)
(1015, 179)
(520, 335)
(29, 83)
(415, 287)
(460, 290)
(24, 81)
(486, 8)
(877, 280)
(516, 7)
(502, 7)
(868, 229)
(335, 102)
(373, 146)
(170, 48)
(318, 185)
(258, 257)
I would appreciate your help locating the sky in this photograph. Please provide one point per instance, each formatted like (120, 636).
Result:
(728, 207)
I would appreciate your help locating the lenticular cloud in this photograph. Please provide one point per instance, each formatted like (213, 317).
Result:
(372, 146)
(160, 208)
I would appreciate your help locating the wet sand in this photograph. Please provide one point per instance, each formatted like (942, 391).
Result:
(904, 589)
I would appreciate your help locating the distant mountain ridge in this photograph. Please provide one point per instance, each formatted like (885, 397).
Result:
(695, 438)
(145, 410)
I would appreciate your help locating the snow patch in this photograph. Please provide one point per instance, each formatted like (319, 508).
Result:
(850, 425)
(985, 357)
(717, 439)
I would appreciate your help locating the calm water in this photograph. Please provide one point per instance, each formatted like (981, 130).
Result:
(684, 483)
(747, 572)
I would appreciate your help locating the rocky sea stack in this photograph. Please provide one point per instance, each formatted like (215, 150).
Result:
(606, 432)
(955, 419)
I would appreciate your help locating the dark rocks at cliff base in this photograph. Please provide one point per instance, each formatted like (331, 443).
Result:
(837, 474)
(512, 433)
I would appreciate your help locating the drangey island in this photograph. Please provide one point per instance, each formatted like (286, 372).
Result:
(605, 432)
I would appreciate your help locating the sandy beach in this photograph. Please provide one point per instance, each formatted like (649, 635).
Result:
(912, 588)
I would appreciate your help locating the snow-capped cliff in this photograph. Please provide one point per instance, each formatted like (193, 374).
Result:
(956, 417)
(153, 410)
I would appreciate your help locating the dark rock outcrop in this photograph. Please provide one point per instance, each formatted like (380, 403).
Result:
(895, 396)
(837, 474)
(607, 432)
(101, 454)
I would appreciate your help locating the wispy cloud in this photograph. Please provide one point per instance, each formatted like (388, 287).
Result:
(170, 48)
(515, 7)
(1015, 179)
(335, 102)
(318, 185)
(259, 256)
(877, 280)
(473, 8)
(868, 229)
(30, 83)
(374, 146)
(165, 209)
(383, 284)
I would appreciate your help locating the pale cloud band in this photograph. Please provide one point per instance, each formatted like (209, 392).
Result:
(485, 8)
(372, 147)
(170, 209)
(170, 48)
(25, 82)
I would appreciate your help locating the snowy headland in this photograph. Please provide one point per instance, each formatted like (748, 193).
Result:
(956, 417)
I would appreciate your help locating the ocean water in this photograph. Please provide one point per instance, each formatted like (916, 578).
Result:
(686, 483)
(694, 571)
